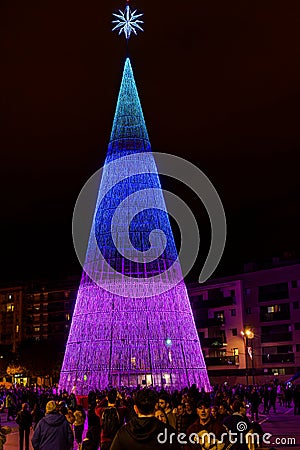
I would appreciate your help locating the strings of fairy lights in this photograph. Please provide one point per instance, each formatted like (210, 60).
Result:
(128, 340)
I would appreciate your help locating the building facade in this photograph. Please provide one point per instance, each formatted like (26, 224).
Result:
(249, 324)
(32, 313)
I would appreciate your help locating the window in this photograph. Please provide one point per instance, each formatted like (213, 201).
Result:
(248, 310)
(10, 297)
(10, 307)
(278, 371)
(294, 284)
(219, 315)
(36, 329)
(233, 312)
(223, 335)
(67, 316)
(247, 291)
(234, 331)
(278, 291)
(297, 326)
(17, 328)
(269, 350)
(133, 361)
(235, 351)
(296, 305)
(297, 347)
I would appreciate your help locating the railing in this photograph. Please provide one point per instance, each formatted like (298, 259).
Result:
(222, 361)
(269, 317)
(277, 337)
(212, 342)
(213, 322)
(219, 302)
(278, 358)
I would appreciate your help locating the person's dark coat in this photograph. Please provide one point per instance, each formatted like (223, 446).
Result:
(233, 424)
(53, 432)
(24, 420)
(141, 433)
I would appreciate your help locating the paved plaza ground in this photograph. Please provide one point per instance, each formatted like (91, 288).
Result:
(282, 426)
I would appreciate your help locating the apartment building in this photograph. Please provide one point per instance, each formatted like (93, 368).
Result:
(38, 311)
(249, 324)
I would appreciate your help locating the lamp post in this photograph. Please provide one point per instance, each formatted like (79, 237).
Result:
(248, 336)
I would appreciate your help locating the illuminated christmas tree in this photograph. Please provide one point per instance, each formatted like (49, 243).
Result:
(132, 322)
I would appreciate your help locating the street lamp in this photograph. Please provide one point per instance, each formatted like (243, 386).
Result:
(248, 336)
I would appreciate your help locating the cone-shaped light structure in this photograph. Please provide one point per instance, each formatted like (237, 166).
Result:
(132, 322)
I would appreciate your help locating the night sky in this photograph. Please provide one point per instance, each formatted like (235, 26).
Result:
(219, 84)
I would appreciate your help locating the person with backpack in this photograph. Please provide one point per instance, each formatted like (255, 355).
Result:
(24, 420)
(111, 418)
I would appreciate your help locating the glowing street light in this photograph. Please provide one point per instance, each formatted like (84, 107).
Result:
(248, 336)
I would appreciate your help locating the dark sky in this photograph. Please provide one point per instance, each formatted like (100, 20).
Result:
(219, 84)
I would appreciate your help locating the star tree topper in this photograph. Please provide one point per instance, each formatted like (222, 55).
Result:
(127, 22)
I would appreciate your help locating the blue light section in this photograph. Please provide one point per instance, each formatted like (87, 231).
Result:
(140, 227)
(129, 133)
(129, 136)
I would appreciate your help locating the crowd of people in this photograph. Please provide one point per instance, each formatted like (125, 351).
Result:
(143, 418)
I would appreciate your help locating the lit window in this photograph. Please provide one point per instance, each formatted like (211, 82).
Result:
(17, 328)
(133, 361)
(36, 329)
(67, 316)
(10, 297)
(10, 307)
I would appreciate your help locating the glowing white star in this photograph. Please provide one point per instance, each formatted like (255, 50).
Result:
(127, 22)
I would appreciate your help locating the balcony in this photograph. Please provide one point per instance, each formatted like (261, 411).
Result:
(222, 361)
(213, 322)
(270, 317)
(216, 342)
(277, 337)
(219, 302)
(278, 358)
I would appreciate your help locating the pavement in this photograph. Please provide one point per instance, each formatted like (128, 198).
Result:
(283, 430)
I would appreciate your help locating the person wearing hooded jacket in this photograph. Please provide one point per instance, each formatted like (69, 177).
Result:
(145, 432)
(53, 431)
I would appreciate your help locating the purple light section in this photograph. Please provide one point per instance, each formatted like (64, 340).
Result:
(144, 339)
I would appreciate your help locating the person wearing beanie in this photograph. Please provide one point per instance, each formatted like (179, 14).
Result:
(53, 431)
